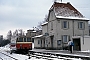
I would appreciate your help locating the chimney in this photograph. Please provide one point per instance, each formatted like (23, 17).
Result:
(68, 2)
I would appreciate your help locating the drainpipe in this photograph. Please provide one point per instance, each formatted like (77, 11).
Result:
(46, 36)
(83, 36)
(73, 27)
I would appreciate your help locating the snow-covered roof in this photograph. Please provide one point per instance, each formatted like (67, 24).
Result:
(44, 23)
(72, 18)
(33, 31)
(66, 10)
(38, 36)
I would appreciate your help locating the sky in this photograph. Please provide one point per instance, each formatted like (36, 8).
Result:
(25, 14)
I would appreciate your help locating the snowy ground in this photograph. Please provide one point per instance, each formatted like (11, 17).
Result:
(6, 50)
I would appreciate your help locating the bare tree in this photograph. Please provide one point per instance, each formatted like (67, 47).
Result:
(9, 35)
(46, 18)
(18, 32)
(21, 32)
(39, 26)
(15, 33)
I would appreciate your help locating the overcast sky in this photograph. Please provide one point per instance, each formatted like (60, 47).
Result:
(24, 14)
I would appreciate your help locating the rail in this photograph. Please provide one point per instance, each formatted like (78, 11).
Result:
(7, 56)
(49, 56)
(61, 54)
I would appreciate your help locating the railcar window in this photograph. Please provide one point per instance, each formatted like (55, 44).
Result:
(24, 39)
(17, 40)
(28, 40)
(20, 40)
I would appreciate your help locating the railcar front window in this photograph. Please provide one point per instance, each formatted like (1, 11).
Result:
(28, 40)
(20, 40)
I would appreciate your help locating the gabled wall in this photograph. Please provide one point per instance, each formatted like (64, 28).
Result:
(51, 15)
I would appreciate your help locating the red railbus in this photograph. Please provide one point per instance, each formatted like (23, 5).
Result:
(23, 43)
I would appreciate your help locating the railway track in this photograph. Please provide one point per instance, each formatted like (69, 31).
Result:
(49, 57)
(4, 56)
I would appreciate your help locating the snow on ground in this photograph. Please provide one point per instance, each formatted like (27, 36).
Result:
(6, 48)
(86, 51)
(33, 45)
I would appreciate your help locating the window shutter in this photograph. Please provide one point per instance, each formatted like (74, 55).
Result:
(62, 41)
(68, 37)
(62, 25)
(83, 25)
(78, 25)
(68, 24)
(62, 38)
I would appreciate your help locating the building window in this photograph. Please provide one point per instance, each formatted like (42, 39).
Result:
(58, 42)
(81, 25)
(65, 25)
(38, 41)
(65, 38)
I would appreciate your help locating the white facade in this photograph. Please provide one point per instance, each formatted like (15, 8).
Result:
(59, 34)
(56, 31)
(60, 29)
(39, 41)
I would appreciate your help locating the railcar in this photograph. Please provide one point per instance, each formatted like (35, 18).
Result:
(13, 43)
(23, 43)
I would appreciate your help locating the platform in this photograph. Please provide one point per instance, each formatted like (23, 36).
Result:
(64, 53)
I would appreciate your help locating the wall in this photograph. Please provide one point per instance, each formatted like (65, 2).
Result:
(41, 41)
(78, 32)
(44, 29)
(85, 46)
(51, 15)
(36, 45)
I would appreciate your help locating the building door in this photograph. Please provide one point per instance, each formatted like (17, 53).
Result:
(51, 41)
(77, 44)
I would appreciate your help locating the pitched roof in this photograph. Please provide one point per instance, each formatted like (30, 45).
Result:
(44, 23)
(38, 36)
(65, 10)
